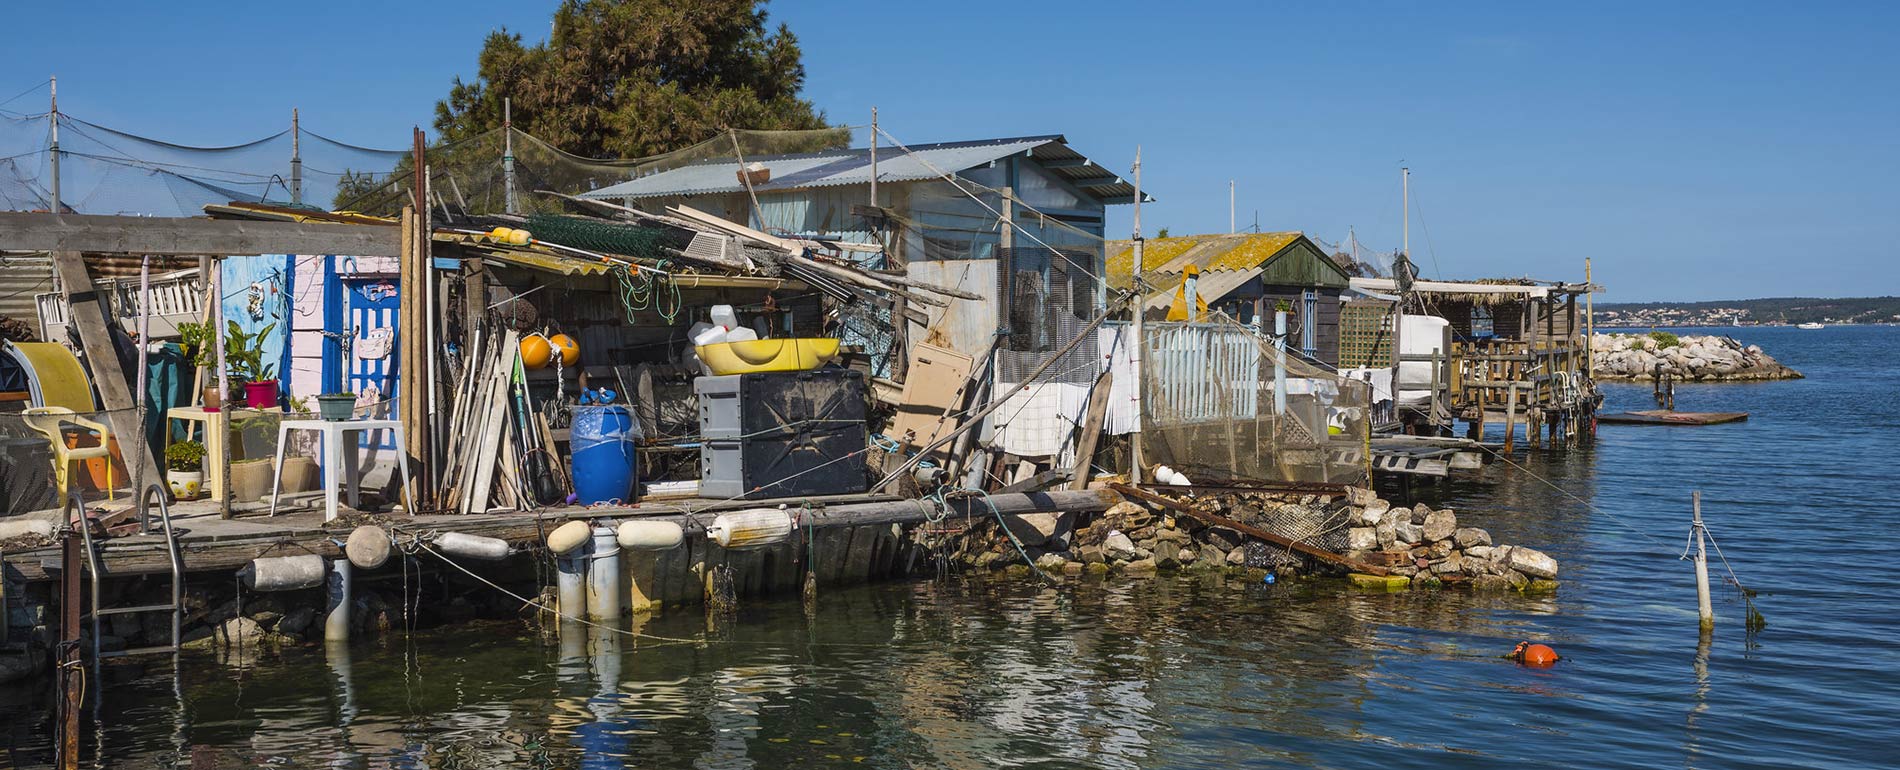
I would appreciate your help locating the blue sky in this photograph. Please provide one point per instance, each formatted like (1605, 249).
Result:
(1695, 150)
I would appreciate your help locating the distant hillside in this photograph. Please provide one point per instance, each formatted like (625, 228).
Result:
(1791, 310)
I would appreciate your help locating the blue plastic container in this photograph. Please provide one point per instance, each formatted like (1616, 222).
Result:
(603, 440)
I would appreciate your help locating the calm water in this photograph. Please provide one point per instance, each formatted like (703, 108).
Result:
(1201, 672)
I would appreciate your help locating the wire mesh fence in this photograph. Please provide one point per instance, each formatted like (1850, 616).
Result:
(1221, 402)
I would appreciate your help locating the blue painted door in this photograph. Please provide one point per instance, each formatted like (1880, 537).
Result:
(370, 307)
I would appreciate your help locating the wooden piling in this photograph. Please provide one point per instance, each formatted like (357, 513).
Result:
(1705, 610)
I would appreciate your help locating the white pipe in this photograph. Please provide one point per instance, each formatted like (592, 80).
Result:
(603, 575)
(570, 584)
(1279, 362)
(336, 621)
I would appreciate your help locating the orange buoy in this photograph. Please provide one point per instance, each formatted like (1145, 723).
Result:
(570, 350)
(535, 351)
(1534, 655)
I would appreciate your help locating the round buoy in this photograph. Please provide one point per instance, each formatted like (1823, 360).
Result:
(535, 351)
(518, 237)
(368, 547)
(1534, 655)
(570, 350)
(567, 537)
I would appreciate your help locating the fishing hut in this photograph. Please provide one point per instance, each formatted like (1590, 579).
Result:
(1513, 352)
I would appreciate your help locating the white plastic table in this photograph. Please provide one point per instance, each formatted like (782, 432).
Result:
(338, 462)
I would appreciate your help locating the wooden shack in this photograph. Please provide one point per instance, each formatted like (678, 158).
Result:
(1514, 351)
(1247, 276)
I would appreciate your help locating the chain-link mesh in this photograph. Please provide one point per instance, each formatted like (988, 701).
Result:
(1220, 402)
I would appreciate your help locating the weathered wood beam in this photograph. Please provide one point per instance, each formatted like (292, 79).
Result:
(86, 312)
(21, 231)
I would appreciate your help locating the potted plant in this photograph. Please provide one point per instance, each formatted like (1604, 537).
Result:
(244, 353)
(195, 339)
(336, 407)
(184, 469)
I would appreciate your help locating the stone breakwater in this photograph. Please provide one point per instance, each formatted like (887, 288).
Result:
(1420, 546)
(1634, 357)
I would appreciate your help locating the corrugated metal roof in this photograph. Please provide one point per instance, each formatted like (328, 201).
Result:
(853, 166)
(1211, 253)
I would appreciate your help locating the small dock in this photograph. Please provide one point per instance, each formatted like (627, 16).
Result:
(1424, 455)
(1670, 417)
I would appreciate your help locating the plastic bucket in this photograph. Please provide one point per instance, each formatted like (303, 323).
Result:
(603, 439)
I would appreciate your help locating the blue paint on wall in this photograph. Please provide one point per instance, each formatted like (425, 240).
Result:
(256, 295)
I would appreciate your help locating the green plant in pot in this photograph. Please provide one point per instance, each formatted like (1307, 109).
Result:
(244, 355)
(336, 407)
(184, 469)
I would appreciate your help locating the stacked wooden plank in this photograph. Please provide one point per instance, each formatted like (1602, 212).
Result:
(482, 473)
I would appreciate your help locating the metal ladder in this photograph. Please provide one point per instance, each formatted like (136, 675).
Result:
(177, 604)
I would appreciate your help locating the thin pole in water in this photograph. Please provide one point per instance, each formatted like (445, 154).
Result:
(1704, 609)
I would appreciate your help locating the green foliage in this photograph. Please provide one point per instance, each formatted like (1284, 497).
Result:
(184, 456)
(244, 353)
(1664, 340)
(1161, 233)
(633, 78)
(195, 337)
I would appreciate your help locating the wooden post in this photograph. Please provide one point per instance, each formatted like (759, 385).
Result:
(1704, 609)
(1589, 319)
(1092, 428)
(86, 309)
(1510, 419)
(412, 396)
(72, 672)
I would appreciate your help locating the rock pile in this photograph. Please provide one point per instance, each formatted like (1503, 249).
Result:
(1419, 546)
(1634, 357)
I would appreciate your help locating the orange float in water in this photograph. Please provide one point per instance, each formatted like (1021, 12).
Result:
(570, 350)
(535, 351)
(1534, 655)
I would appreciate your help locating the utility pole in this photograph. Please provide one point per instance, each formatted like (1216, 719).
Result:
(1230, 206)
(507, 155)
(1137, 304)
(874, 157)
(55, 147)
(1405, 210)
(296, 162)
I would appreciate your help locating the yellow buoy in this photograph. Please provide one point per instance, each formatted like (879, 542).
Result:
(519, 237)
(535, 351)
(570, 350)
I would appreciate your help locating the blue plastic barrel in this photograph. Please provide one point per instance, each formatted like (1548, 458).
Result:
(603, 440)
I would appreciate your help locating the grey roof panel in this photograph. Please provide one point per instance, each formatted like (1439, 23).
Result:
(853, 166)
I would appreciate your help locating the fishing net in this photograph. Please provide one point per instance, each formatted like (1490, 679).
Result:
(1220, 402)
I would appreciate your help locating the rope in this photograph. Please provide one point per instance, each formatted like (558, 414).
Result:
(639, 290)
(1012, 535)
